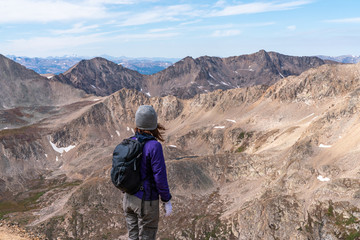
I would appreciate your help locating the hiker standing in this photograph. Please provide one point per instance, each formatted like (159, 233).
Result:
(142, 208)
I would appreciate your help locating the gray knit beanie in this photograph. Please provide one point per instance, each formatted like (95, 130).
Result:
(146, 118)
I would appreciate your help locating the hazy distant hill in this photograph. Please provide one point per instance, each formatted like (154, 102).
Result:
(57, 65)
(342, 59)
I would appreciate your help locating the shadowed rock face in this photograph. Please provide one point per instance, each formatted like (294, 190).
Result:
(189, 76)
(276, 162)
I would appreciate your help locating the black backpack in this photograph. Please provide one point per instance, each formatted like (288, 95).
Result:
(125, 172)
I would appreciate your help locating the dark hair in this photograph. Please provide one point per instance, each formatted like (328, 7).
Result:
(157, 133)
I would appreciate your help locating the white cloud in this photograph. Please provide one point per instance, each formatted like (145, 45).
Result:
(48, 10)
(125, 2)
(145, 36)
(226, 33)
(220, 3)
(159, 14)
(77, 28)
(156, 30)
(291, 27)
(46, 45)
(258, 7)
(345, 20)
(66, 44)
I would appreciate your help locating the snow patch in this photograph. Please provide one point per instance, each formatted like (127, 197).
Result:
(46, 155)
(61, 150)
(281, 75)
(173, 146)
(324, 146)
(127, 129)
(57, 158)
(230, 120)
(96, 99)
(323, 179)
(224, 83)
(118, 133)
(306, 117)
(50, 77)
(148, 94)
(92, 86)
(211, 76)
(132, 130)
(219, 127)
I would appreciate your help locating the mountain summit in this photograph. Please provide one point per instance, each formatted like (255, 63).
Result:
(101, 77)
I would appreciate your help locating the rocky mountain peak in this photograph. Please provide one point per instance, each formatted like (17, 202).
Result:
(101, 77)
(20, 86)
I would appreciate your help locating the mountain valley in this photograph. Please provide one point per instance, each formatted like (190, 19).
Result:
(270, 154)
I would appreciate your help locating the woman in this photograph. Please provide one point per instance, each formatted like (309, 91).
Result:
(142, 208)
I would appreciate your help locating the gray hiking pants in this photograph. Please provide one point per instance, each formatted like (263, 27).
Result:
(141, 227)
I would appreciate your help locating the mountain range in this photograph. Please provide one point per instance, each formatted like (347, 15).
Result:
(264, 157)
(147, 66)
(189, 76)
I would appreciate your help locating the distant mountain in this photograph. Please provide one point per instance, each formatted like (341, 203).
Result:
(54, 65)
(101, 77)
(342, 59)
(144, 66)
(57, 65)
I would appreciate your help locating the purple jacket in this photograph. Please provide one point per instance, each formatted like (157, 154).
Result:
(153, 172)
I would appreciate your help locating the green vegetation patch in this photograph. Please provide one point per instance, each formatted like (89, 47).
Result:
(24, 205)
(336, 216)
(19, 203)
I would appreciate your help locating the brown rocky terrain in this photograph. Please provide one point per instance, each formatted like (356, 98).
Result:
(258, 162)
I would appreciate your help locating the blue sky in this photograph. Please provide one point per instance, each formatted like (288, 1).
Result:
(175, 29)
